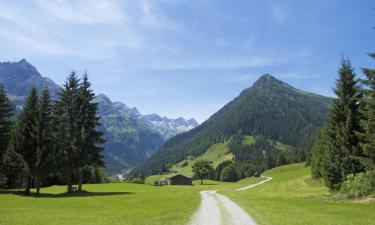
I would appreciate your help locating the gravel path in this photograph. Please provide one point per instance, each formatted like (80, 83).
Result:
(254, 185)
(217, 209)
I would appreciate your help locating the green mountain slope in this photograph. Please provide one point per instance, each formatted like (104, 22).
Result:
(270, 108)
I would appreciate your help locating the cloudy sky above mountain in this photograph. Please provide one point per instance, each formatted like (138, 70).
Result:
(188, 57)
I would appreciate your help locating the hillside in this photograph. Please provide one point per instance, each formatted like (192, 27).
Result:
(130, 136)
(270, 108)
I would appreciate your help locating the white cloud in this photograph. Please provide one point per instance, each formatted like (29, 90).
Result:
(231, 62)
(86, 12)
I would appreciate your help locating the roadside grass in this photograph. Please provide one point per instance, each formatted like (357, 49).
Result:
(292, 197)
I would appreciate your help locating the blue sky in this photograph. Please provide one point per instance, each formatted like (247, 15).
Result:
(188, 57)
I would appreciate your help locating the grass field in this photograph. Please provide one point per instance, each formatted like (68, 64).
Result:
(292, 197)
(110, 204)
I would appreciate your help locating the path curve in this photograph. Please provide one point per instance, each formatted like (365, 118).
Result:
(217, 209)
(254, 185)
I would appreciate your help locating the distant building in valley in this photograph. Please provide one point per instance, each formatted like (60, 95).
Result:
(180, 179)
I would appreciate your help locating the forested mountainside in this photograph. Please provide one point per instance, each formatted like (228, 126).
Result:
(270, 109)
(130, 136)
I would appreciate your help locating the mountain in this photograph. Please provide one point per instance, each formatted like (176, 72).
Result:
(270, 108)
(130, 136)
(18, 78)
(168, 127)
(128, 140)
(165, 126)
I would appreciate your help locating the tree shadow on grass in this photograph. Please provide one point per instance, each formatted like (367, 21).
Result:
(64, 195)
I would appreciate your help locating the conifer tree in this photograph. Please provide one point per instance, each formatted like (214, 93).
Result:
(43, 137)
(25, 137)
(6, 113)
(368, 123)
(66, 114)
(90, 137)
(340, 139)
(15, 165)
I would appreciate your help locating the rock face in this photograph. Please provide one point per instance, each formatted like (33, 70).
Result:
(130, 136)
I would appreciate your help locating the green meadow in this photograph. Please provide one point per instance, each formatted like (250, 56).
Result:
(292, 197)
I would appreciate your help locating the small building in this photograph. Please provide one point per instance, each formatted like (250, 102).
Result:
(180, 179)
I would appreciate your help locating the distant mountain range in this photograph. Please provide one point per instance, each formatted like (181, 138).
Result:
(270, 108)
(130, 136)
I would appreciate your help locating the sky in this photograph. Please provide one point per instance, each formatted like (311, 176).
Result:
(188, 57)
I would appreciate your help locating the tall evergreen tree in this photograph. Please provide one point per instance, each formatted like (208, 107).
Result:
(43, 137)
(90, 137)
(5, 129)
(15, 166)
(340, 138)
(25, 137)
(368, 124)
(66, 114)
(6, 113)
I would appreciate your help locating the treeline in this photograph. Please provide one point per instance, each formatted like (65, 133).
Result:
(51, 141)
(344, 153)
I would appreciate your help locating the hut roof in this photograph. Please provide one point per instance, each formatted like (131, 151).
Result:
(180, 175)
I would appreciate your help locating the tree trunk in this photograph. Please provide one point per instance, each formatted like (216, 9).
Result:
(201, 181)
(80, 181)
(27, 185)
(37, 185)
(70, 186)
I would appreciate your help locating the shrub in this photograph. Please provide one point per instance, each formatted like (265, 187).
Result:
(137, 180)
(229, 174)
(361, 185)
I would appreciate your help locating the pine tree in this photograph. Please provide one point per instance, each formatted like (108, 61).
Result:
(341, 141)
(66, 114)
(368, 123)
(15, 165)
(90, 137)
(6, 113)
(43, 137)
(25, 143)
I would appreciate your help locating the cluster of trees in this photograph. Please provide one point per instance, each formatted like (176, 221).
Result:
(345, 147)
(51, 141)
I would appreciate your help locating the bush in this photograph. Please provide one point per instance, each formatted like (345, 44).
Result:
(361, 185)
(229, 174)
(137, 180)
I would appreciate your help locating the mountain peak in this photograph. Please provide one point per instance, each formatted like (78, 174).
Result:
(23, 61)
(266, 80)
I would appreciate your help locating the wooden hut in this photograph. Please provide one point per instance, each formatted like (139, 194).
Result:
(180, 179)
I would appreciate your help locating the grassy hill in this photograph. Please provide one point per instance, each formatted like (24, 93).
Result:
(217, 153)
